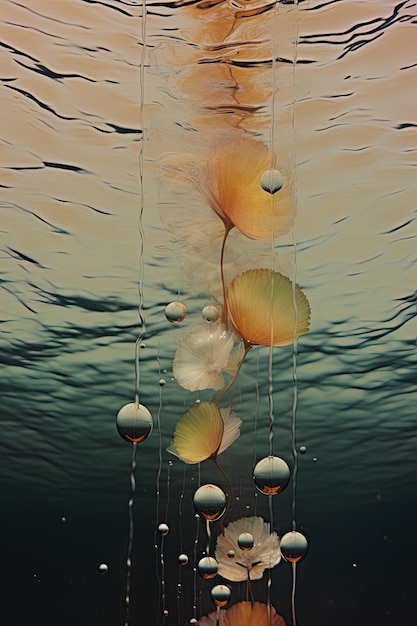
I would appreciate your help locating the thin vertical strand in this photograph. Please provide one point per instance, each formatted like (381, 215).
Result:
(131, 533)
(163, 594)
(272, 247)
(197, 532)
(294, 578)
(255, 428)
(158, 479)
(142, 322)
(295, 380)
(179, 586)
(208, 533)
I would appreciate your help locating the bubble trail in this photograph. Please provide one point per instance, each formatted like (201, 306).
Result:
(294, 354)
(131, 533)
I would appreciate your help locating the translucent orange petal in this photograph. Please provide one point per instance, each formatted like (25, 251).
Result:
(234, 191)
(253, 614)
(261, 305)
(198, 433)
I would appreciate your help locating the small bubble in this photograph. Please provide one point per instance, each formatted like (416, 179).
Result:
(209, 502)
(165, 371)
(163, 529)
(170, 463)
(207, 567)
(198, 402)
(142, 345)
(272, 181)
(271, 475)
(183, 559)
(220, 594)
(303, 449)
(193, 620)
(245, 541)
(294, 546)
(315, 459)
(165, 613)
(63, 519)
(175, 312)
(210, 314)
(162, 382)
(354, 565)
(134, 422)
(230, 554)
(103, 568)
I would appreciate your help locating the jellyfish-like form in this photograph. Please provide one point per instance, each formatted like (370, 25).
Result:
(204, 432)
(203, 354)
(247, 564)
(262, 309)
(244, 614)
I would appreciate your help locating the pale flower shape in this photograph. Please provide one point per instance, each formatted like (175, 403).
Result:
(202, 356)
(244, 614)
(199, 431)
(247, 564)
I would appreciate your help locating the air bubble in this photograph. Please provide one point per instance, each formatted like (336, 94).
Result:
(134, 422)
(220, 594)
(163, 529)
(175, 312)
(210, 314)
(183, 559)
(207, 567)
(271, 475)
(103, 568)
(245, 541)
(209, 502)
(272, 181)
(294, 546)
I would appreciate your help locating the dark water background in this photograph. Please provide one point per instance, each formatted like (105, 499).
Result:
(70, 200)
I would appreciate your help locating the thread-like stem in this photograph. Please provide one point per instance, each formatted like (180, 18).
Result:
(225, 311)
(131, 533)
(248, 346)
(229, 488)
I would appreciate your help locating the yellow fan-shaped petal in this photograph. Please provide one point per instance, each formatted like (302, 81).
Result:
(199, 432)
(234, 191)
(253, 614)
(256, 317)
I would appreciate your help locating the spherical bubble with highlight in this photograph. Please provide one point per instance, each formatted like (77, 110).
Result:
(245, 541)
(183, 559)
(209, 502)
(294, 546)
(175, 312)
(230, 554)
(303, 449)
(103, 568)
(162, 382)
(272, 181)
(193, 620)
(220, 594)
(207, 567)
(134, 422)
(271, 475)
(163, 529)
(210, 314)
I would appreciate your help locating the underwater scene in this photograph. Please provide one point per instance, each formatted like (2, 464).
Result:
(208, 312)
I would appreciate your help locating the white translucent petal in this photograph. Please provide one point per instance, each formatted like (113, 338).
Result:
(265, 553)
(202, 356)
(173, 450)
(231, 428)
